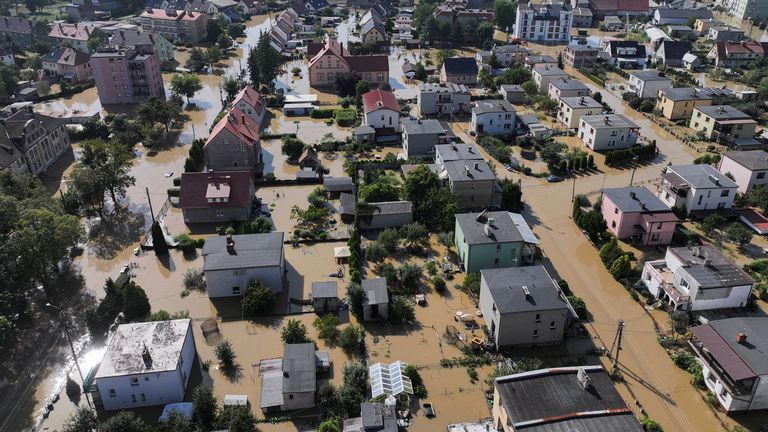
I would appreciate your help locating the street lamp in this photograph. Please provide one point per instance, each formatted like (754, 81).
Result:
(71, 347)
(634, 168)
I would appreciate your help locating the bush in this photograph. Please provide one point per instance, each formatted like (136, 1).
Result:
(345, 117)
(471, 285)
(418, 384)
(351, 339)
(355, 294)
(258, 298)
(294, 331)
(579, 306)
(375, 252)
(194, 280)
(683, 359)
(225, 354)
(200, 243)
(401, 310)
(650, 425)
(326, 326)
(438, 283)
(323, 113)
(621, 268)
(389, 239)
(73, 389)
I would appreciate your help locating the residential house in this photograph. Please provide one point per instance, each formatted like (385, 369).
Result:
(334, 60)
(145, 364)
(507, 55)
(495, 239)
(382, 112)
(702, 25)
(493, 117)
(216, 196)
(613, 23)
(696, 278)
(123, 75)
(473, 183)
(579, 398)
(30, 142)
(234, 144)
(224, 9)
(325, 296)
(664, 15)
(725, 33)
(69, 64)
(523, 306)
(582, 17)
(252, 7)
(748, 168)
(607, 131)
(459, 70)
(678, 31)
(445, 153)
(24, 32)
(696, 188)
(421, 136)
(512, 93)
(308, 159)
(725, 125)
(290, 383)
(624, 53)
(145, 43)
(550, 22)
(745, 9)
(252, 103)
(338, 185)
(372, 32)
(679, 103)
(736, 54)
(635, 214)
(447, 98)
(670, 52)
(580, 57)
(691, 62)
(543, 75)
(75, 35)
(566, 87)
(376, 299)
(530, 125)
(571, 109)
(603, 8)
(533, 61)
(648, 83)
(175, 25)
(374, 417)
(231, 263)
(734, 366)
(386, 214)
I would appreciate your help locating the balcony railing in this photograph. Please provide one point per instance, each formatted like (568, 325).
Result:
(678, 297)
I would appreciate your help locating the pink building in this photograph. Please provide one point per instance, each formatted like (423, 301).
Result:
(637, 215)
(748, 168)
(125, 76)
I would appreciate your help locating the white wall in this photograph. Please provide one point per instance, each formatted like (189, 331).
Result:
(736, 297)
(383, 118)
(221, 282)
(707, 199)
(604, 138)
(571, 116)
(498, 123)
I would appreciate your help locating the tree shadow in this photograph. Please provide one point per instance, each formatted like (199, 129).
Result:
(113, 234)
(233, 374)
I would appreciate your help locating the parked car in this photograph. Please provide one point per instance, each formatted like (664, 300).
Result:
(554, 179)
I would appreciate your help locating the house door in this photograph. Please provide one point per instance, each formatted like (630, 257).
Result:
(374, 311)
(479, 128)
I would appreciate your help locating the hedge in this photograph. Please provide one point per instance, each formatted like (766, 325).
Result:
(345, 117)
(322, 113)
(174, 192)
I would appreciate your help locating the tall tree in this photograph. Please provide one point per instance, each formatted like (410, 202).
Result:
(124, 421)
(205, 408)
(263, 63)
(511, 196)
(231, 87)
(186, 84)
(484, 34)
(504, 12)
(112, 163)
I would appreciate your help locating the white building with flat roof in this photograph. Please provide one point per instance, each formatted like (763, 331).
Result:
(607, 131)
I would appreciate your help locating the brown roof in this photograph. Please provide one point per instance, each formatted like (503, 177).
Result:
(78, 31)
(368, 63)
(175, 15)
(730, 361)
(67, 56)
(252, 98)
(238, 124)
(194, 187)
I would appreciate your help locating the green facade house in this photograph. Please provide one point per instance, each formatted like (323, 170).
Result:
(493, 240)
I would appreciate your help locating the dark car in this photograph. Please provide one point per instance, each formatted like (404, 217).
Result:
(554, 179)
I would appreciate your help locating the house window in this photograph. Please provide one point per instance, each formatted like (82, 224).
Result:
(112, 393)
(498, 247)
(616, 210)
(613, 224)
(725, 193)
(494, 307)
(134, 381)
(654, 237)
(536, 333)
(133, 398)
(219, 213)
(146, 378)
(761, 175)
(290, 396)
(496, 261)
(538, 317)
(724, 393)
(236, 290)
(143, 397)
(552, 325)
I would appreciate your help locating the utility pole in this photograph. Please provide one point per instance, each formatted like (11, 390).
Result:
(151, 212)
(634, 168)
(617, 343)
(573, 191)
(63, 318)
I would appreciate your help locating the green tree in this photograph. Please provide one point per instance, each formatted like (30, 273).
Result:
(621, 268)
(389, 239)
(123, 421)
(186, 84)
(484, 34)
(156, 110)
(712, 223)
(263, 63)
(9, 81)
(504, 12)
(231, 87)
(82, 420)
(213, 30)
(457, 33)
(610, 251)
(224, 41)
(196, 59)
(327, 327)
(294, 332)
(351, 339)
(362, 87)
(292, 147)
(356, 294)
(258, 298)
(421, 72)
(111, 163)
(257, 225)
(651, 425)
(34, 62)
(415, 236)
(330, 425)
(530, 88)
(471, 285)
(511, 196)
(738, 233)
(378, 192)
(213, 56)
(158, 240)
(401, 310)
(96, 41)
(579, 306)
(205, 407)
(225, 354)
(237, 418)
(375, 252)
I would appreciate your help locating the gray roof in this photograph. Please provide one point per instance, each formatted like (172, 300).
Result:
(492, 106)
(650, 75)
(271, 389)
(755, 351)
(724, 112)
(551, 10)
(679, 28)
(528, 119)
(328, 289)
(635, 199)
(549, 71)
(753, 160)
(443, 88)
(375, 291)
(373, 23)
(685, 94)
(709, 268)
(478, 170)
(540, 59)
(391, 207)
(337, 184)
(702, 176)
(250, 251)
(581, 102)
(364, 130)
(553, 399)
(503, 229)
(507, 289)
(348, 204)
(451, 152)
(299, 369)
(598, 121)
(510, 49)
(683, 13)
(568, 84)
(512, 88)
(427, 126)
(164, 340)
(377, 417)
(460, 66)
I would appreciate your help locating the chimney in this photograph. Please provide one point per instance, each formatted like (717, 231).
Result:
(606, 120)
(147, 357)
(477, 166)
(487, 229)
(466, 170)
(741, 337)
(210, 175)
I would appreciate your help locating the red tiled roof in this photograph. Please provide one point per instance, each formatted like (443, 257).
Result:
(331, 45)
(77, 31)
(176, 15)
(730, 361)
(727, 49)
(194, 186)
(376, 99)
(238, 124)
(252, 98)
(368, 63)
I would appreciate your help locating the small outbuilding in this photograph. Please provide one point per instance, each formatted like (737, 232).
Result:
(325, 296)
(376, 299)
(337, 185)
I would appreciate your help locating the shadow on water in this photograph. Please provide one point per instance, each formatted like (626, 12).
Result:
(112, 235)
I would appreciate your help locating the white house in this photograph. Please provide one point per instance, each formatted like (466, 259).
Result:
(748, 168)
(381, 110)
(646, 84)
(696, 187)
(445, 98)
(607, 131)
(566, 87)
(493, 117)
(697, 278)
(523, 306)
(231, 263)
(733, 361)
(146, 364)
(548, 21)
(543, 75)
(571, 109)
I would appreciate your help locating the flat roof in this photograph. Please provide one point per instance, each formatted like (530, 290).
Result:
(685, 94)
(650, 75)
(451, 152)
(250, 250)
(702, 176)
(503, 229)
(391, 207)
(635, 199)
(723, 112)
(609, 121)
(163, 340)
(709, 268)
(549, 70)
(508, 289)
(469, 170)
(327, 289)
(492, 106)
(568, 84)
(581, 102)
(375, 291)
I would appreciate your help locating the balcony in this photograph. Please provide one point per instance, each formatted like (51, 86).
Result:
(675, 295)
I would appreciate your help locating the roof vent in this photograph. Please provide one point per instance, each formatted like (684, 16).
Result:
(714, 180)
(487, 229)
(741, 337)
(721, 109)
(526, 291)
(583, 378)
